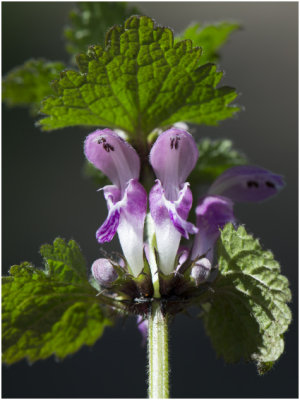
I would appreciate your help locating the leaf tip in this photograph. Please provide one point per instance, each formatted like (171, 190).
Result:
(264, 367)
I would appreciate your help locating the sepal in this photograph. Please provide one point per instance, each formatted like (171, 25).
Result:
(134, 293)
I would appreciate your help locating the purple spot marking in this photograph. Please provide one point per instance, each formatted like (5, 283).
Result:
(106, 146)
(176, 222)
(174, 142)
(108, 229)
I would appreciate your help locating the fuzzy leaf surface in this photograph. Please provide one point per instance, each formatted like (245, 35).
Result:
(48, 311)
(140, 81)
(248, 313)
(209, 37)
(29, 84)
(215, 157)
(90, 21)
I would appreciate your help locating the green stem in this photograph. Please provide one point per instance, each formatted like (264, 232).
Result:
(158, 353)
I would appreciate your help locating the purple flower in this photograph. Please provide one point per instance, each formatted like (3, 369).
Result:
(173, 157)
(243, 184)
(213, 212)
(126, 198)
(247, 183)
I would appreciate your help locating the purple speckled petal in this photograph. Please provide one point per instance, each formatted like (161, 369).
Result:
(107, 230)
(179, 211)
(213, 212)
(247, 184)
(113, 156)
(143, 328)
(173, 157)
(170, 223)
(133, 209)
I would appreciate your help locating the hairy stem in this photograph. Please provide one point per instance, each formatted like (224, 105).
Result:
(158, 353)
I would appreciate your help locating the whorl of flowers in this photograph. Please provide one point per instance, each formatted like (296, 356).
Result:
(172, 157)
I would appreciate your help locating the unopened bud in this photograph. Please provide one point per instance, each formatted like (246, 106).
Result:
(104, 272)
(201, 270)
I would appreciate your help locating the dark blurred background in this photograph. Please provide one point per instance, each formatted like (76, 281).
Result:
(45, 195)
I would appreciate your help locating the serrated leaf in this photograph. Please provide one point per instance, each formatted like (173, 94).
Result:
(90, 22)
(29, 84)
(209, 37)
(50, 311)
(64, 262)
(140, 81)
(215, 156)
(248, 313)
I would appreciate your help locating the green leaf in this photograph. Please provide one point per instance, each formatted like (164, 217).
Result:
(90, 22)
(209, 37)
(52, 310)
(29, 84)
(140, 81)
(64, 262)
(216, 156)
(248, 313)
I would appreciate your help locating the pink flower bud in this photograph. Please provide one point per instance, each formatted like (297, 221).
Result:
(104, 272)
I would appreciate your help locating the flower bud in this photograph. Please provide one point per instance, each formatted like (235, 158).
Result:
(201, 270)
(104, 272)
(247, 183)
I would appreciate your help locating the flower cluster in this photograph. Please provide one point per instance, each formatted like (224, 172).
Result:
(173, 156)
